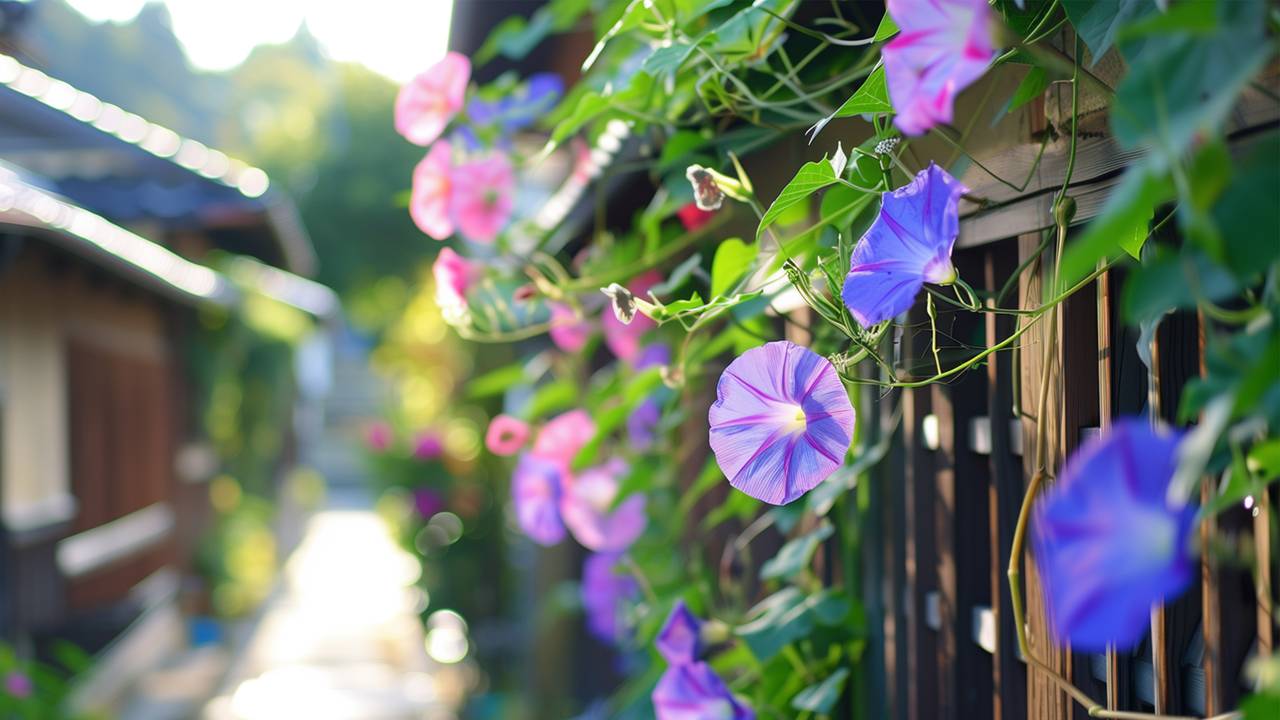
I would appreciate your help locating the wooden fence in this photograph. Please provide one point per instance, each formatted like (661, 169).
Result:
(947, 498)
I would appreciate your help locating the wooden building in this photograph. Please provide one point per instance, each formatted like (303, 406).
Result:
(106, 222)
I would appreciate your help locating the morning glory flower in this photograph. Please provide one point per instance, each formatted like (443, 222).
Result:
(563, 436)
(694, 692)
(432, 187)
(781, 423)
(506, 435)
(535, 493)
(427, 445)
(643, 421)
(482, 197)
(427, 502)
(604, 591)
(378, 436)
(1108, 542)
(908, 245)
(569, 331)
(943, 46)
(678, 641)
(18, 685)
(427, 103)
(587, 507)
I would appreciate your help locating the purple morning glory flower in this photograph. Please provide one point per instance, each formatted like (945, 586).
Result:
(1108, 542)
(679, 641)
(781, 422)
(944, 46)
(535, 492)
(604, 590)
(642, 422)
(587, 507)
(694, 692)
(908, 245)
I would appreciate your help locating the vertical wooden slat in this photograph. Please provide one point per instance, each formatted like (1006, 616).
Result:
(1104, 422)
(1009, 677)
(946, 566)
(920, 557)
(1045, 700)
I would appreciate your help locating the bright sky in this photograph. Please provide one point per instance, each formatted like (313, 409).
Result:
(397, 38)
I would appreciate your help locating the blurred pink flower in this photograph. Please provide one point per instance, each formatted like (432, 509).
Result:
(18, 685)
(694, 217)
(561, 438)
(482, 198)
(568, 331)
(428, 102)
(427, 445)
(625, 340)
(453, 275)
(378, 436)
(587, 509)
(506, 435)
(432, 187)
(944, 46)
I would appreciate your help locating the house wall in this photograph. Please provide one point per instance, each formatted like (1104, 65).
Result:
(90, 423)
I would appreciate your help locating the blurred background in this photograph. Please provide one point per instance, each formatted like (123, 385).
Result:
(228, 426)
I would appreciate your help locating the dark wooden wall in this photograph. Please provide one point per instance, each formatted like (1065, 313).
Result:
(952, 502)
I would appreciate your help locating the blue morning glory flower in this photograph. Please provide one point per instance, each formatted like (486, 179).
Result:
(1108, 543)
(678, 641)
(781, 423)
(908, 245)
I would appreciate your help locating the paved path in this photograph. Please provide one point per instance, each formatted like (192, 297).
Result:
(341, 639)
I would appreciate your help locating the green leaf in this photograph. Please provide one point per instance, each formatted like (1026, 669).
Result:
(871, 97)
(495, 382)
(822, 697)
(795, 555)
(1127, 212)
(813, 176)
(1264, 459)
(665, 61)
(1188, 82)
(1247, 214)
(1175, 280)
(1098, 23)
(887, 28)
(553, 396)
(1032, 86)
(733, 258)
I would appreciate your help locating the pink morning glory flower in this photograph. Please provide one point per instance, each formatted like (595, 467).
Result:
(568, 331)
(908, 245)
(587, 508)
(781, 423)
(694, 692)
(18, 685)
(1108, 543)
(482, 197)
(428, 102)
(506, 435)
(432, 188)
(427, 445)
(624, 340)
(943, 46)
(535, 493)
(454, 276)
(563, 436)
(378, 436)
(604, 591)
(679, 639)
